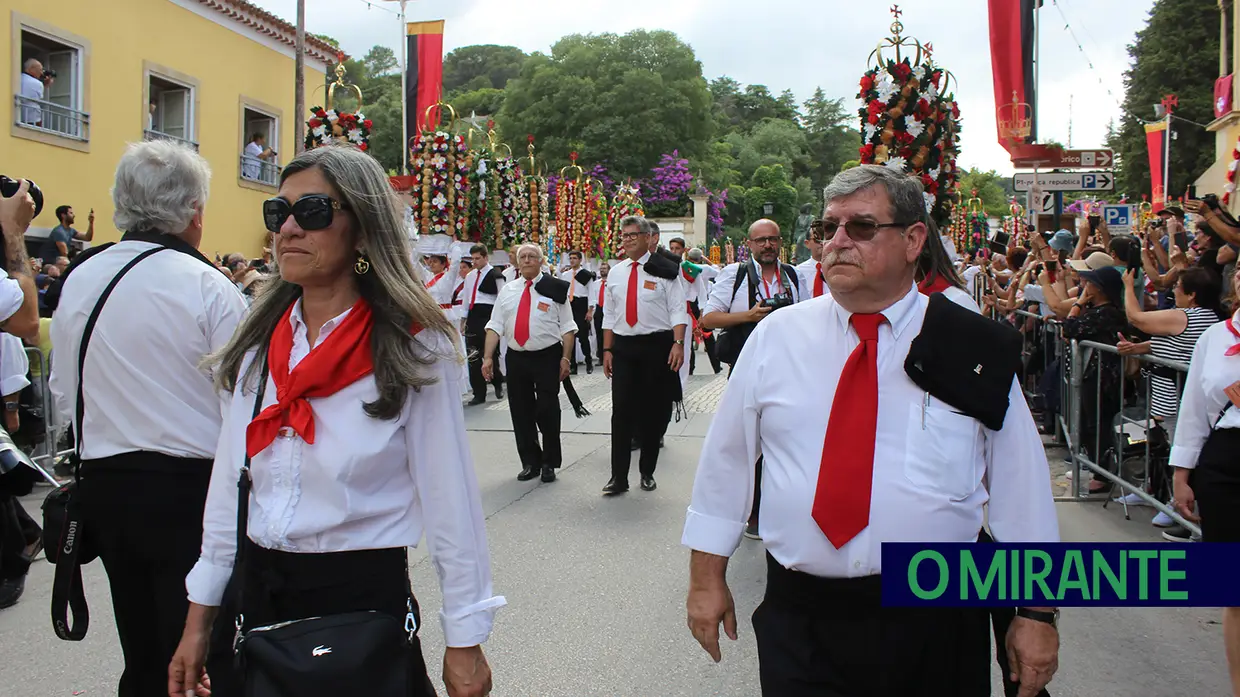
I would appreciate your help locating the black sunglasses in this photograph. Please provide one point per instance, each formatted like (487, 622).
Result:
(312, 212)
(858, 230)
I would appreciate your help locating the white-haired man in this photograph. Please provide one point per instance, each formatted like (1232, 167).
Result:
(153, 417)
(534, 314)
(896, 464)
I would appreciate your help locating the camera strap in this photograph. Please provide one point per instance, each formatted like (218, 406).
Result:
(67, 593)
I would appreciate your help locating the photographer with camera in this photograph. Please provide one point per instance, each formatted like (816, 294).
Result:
(20, 202)
(768, 286)
(35, 81)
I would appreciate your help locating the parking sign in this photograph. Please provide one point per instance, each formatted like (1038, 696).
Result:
(1120, 218)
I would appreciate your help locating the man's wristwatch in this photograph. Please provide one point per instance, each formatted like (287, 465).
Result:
(1051, 618)
(680, 342)
(10, 406)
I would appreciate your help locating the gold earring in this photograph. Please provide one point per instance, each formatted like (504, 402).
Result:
(362, 266)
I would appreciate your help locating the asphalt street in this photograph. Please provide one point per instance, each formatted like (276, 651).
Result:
(596, 587)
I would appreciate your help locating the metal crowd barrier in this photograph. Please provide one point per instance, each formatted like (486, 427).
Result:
(46, 454)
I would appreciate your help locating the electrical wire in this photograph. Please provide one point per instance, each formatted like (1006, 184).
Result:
(373, 5)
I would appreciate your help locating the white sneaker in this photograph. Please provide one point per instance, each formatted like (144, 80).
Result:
(1162, 520)
(1131, 500)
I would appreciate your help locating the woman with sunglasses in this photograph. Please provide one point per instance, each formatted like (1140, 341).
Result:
(356, 450)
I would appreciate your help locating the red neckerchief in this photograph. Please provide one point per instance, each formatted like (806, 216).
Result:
(939, 285)
(340, 360)
(1231, 326)
(436, 278)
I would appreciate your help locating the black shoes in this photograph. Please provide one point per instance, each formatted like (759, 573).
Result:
(648, 484)
(548, 474)
(476, 401)
(11, 591)
(589, 368)
(613, 487)
(527, 474)
(499, 391)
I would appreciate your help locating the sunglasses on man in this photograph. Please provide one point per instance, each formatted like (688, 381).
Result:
(858, 230)
(312, 212)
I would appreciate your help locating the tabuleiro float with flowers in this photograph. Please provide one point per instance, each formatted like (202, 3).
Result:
(333, 124)
(496, 193)
(440, 164)
(626, 202)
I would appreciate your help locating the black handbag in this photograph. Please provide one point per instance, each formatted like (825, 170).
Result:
(352, 653)
(65, 541)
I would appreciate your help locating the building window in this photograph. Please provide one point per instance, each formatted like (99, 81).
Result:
(170, 111)
(259, 157)
(50, 98)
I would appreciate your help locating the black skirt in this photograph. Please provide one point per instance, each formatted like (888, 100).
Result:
(1216, 485)
(284, 586)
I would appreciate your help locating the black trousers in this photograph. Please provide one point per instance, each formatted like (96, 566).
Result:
(831, 637)
(534, 402)
(580, 307)
(17, 532)
(598, 331)
(475, 346)
(143, 513)
(283, 586)
(1216, 485)
(643, 389)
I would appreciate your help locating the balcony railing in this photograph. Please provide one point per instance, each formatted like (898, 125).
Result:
(45, 116)
(159, 135)
(262, 171)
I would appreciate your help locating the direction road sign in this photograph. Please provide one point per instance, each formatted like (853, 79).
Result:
(1066, 181)
(1120, 218)
(1068, 159)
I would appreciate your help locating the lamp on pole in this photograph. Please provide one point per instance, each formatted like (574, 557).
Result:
(768, 209)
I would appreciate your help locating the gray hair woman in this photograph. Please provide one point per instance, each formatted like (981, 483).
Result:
(360, 446)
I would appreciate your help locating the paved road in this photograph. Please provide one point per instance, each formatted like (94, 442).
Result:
(595, 589)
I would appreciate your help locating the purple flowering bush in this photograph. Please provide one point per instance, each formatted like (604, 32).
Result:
(666, 192)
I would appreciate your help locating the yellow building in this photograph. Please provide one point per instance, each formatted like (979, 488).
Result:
(1226, 128)
(212, 73)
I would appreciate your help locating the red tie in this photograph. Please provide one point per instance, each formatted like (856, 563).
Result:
(818, 281)
(522, 331)
(602, 287)
(474, 296)
(630, 304)
(846, 472)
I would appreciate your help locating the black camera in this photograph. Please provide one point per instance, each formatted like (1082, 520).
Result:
(8, 188)
(777, 301)
(48, 73)
(1211, 200)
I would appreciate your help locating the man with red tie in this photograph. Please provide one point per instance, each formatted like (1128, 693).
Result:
(857, 454)
(533, 313)
(594, 314)
(810, 270)
(644, 324)
(478, 294)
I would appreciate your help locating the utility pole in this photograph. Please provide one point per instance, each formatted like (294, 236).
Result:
(299, 95)
(1070, 98)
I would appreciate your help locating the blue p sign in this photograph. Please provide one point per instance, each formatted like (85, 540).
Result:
(1087, 181)
(1117, 216)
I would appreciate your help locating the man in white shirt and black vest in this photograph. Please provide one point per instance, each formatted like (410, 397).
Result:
(579, 279)
(533, 314)
(478, 294)
(148, 416)
(644, 324)
(873, 450)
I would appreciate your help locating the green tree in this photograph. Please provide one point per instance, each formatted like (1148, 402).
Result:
(1177, 52)
(830, 136)
(617, 100)
(472, 68)
(770, 185)
(989, 187)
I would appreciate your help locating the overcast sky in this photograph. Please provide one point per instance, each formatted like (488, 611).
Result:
(800, 45)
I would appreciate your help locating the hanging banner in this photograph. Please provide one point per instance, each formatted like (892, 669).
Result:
(1222, 96)
(1011, 56)
(423, 73)
(1156, 139)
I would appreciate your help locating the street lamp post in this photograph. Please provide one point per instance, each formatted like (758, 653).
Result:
(768, 209)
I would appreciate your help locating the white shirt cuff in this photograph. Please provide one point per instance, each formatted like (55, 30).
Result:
(206, 582)
(712, 535)
(471, 625)
(1184, 457)
(13, 384)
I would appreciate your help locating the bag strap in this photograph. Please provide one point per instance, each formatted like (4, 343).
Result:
(736, 286)
(68, 596)
(244, 484)
(1221, 414)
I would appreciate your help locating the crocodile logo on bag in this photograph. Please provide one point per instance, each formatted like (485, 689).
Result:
(321, 650)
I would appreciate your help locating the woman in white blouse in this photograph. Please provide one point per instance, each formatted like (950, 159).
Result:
(360, 448)
(1206, 451)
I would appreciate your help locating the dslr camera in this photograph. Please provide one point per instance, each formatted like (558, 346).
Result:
(8, 189)
(777, 301)
(48, 73)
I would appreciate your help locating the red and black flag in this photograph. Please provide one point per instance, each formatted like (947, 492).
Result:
(1011, 55)
(423, 73)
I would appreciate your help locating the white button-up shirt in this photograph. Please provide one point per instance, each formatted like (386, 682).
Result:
(144, 387)
(660, 301)
(807, 270)
(722, 300)
(14, 365)
(469, 297)
(365, 483)
(11, 298)
(596, 292)
(1210, 371)
(575, 289)
(32, 88)
(549, 320)
(930, 481)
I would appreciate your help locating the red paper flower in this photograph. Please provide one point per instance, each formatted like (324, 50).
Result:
(867, 152)
(867, 83)
(362, 147)
(902, 71)
(314, 123)
(366, 123)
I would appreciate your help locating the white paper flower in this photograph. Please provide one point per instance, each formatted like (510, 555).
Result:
(1230, 187)
(332, 117)
(870, 131)
(934, 173)
(914, 127)
(319, 131)
(930, 200)
(439, 201)
(1232, 167)
(886, 88)
(355, 135)
(439, 161)
(897, 163)
(919, 72)
(932, 92)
